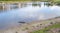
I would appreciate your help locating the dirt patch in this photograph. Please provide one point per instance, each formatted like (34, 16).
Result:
(54, 30)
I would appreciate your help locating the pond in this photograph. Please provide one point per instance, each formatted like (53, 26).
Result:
(27, 12)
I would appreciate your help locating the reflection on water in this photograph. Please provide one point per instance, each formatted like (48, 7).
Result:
(11, 6)
(26, 12)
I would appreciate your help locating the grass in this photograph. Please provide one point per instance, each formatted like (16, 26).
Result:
(47, 28)
(53, 1)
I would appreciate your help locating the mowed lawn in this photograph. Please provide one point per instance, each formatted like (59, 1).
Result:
(47, 28)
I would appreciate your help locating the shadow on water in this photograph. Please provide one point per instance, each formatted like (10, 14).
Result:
(21, 22)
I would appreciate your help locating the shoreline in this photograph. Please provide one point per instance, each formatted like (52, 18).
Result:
(32, 26)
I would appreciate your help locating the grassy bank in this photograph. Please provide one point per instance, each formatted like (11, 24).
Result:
(47, 28)
(25, 0)
(53, 1)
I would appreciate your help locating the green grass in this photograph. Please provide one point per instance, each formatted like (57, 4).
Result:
(53, 1)
(47, 29)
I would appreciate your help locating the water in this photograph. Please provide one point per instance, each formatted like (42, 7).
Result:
(28, 12)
